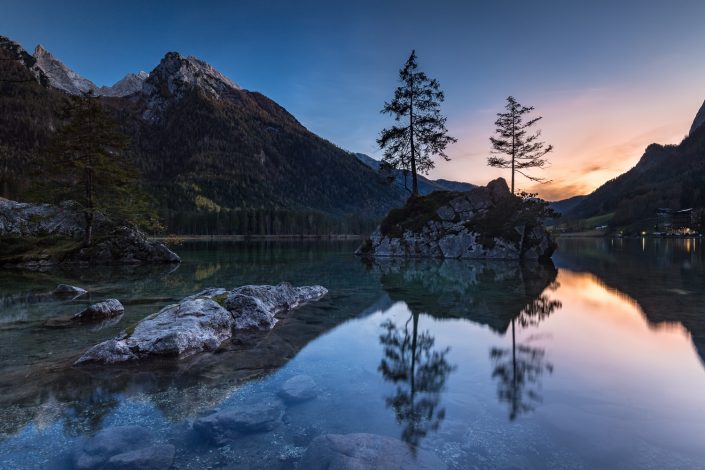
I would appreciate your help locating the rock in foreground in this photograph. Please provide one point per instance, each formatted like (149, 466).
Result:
(202, 322)
(368, 451)
(35, 235)
(484, 223)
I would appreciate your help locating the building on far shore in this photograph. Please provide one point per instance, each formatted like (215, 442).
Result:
(677, 222)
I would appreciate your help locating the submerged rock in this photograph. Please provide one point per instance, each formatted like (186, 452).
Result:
(65, 290)
(199, 323)
(224, 425)
(483, 223)
(101, 311)
(298, 389)
(368, 451)
(123, 447)
(45, 234)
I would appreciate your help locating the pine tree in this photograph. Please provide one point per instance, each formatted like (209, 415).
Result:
(421, 132)
(523, 150)
(87, 162)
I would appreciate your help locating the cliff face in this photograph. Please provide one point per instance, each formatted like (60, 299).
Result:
(484, 223)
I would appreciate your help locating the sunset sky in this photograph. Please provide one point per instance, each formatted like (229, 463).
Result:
(608, 79)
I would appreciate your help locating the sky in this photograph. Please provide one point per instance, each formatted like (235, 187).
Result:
(608, 77)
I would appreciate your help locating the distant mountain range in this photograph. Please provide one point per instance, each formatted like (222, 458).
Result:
(205, 146)
(666, 176)
(426, 186)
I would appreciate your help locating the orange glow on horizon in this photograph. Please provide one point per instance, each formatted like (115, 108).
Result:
(597, 134)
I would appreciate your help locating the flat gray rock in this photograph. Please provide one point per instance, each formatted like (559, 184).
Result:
(104, 310)
(366, 451)
(97, 451)
(224, 425)
(298, 389)
(65, 290)
(159, 456)
(200, 323)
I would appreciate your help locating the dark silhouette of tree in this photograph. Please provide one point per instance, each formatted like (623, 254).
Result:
(420, 373)
(421, 132)
(87, 162)
(523, 150)
(519, 369)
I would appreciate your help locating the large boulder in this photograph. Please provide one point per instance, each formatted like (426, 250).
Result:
(200, 323)
(483, 223)
(39, 235)
(368, 451)
(123, 447)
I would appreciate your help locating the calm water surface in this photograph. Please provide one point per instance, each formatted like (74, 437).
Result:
(596, 362)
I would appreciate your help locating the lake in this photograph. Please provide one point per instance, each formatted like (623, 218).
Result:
(594, 361)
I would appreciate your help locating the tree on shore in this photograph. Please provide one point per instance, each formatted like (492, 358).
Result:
(523, 149)
(421, 132)
(87, 162)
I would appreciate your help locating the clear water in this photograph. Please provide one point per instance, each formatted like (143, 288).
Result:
(596, 363)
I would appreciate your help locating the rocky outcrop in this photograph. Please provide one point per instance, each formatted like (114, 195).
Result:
(484, 223)
(202, 322)
(123, 447)
(369, 451)
(101, 311)
(47, 234)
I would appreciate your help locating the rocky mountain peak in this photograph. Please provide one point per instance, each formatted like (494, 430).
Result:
(699, 119)
(127, 85)
(60, 76)
(175, 75)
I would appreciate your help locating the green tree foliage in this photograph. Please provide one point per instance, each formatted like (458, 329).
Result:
(86, 161)
(421, 132)
(523, 149)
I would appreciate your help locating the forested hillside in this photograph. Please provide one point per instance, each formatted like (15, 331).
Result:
(670, 176)
(215, 158)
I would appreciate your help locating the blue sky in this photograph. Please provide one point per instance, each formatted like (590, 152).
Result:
(588, 67)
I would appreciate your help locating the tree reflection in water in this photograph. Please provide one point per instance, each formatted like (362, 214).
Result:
(419, 372)
(519, 369)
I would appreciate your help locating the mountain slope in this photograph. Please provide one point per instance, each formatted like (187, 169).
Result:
(671, 176)
(426, 186)
(216, 156)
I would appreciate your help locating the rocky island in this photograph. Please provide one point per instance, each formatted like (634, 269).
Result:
(38, 235)
(484, 223)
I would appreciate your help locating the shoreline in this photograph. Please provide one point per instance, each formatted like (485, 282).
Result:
(185, 238)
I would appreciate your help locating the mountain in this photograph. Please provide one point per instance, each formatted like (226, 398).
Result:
(426, 186)
(566, 205)
(60, 76)
(699, 119)
(127, 85)
(217, 158)
(63, 78)
(666, 176)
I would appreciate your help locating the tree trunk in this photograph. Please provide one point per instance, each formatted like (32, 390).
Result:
(513, 147)
(414, 180)
(90, 209)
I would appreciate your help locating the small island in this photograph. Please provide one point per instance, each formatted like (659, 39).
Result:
(484, 223)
